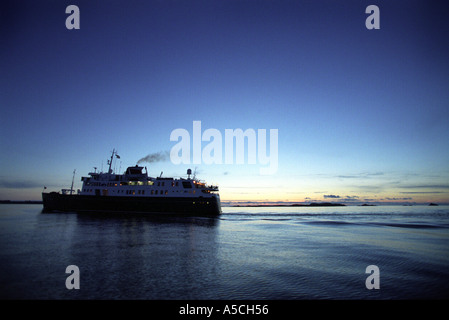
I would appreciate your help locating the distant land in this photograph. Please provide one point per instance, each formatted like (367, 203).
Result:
(325, 204)
(314, 204)
(20, 202)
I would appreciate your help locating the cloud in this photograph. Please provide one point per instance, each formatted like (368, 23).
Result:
(349, 198)
(332, 196)
(20, 184)
(364, 175)
(426, 186)
(369, 188)
(422, 192)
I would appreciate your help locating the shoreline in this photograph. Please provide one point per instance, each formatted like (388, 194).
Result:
(20, 201)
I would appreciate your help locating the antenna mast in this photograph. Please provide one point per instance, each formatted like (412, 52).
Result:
(110, 161)
(114, 153)
(73, 179)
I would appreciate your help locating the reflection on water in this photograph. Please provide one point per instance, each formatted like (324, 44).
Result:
(142, 256)
(246, 253)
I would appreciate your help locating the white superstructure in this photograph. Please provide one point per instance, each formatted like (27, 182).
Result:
(135, 182)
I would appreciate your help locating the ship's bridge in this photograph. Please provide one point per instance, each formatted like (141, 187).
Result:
(135, 173)
(136, 170)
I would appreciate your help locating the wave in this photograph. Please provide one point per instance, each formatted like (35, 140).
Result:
(382, 220)
(379, 224)
(410, 225)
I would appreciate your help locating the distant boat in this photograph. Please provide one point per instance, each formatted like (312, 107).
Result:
(135, 191)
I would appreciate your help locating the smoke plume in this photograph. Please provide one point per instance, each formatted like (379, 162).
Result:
(155, 157)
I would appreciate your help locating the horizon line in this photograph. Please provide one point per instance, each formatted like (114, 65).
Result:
(260, 203)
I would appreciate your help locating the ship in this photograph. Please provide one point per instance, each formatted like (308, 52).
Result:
(134, 191)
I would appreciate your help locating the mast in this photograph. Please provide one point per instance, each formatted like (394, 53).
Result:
(73, 179)
(110, 161)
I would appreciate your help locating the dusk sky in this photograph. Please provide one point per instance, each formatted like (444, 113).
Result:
(362, 115)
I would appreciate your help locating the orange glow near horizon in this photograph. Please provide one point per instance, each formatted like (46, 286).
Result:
(272, 190)
(265, 196)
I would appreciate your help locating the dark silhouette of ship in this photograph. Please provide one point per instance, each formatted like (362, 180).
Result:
(136, 192)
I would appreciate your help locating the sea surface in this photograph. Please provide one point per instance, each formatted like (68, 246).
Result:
(263, 253)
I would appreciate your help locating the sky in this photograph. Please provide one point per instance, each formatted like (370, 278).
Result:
(361, 114)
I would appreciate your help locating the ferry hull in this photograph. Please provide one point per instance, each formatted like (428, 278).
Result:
(54, 201)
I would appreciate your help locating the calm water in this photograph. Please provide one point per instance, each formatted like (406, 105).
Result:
(247, 253)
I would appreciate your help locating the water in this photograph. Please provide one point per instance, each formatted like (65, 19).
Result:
(288, 253)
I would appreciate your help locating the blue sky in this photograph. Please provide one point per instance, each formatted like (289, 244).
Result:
(361, 114)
